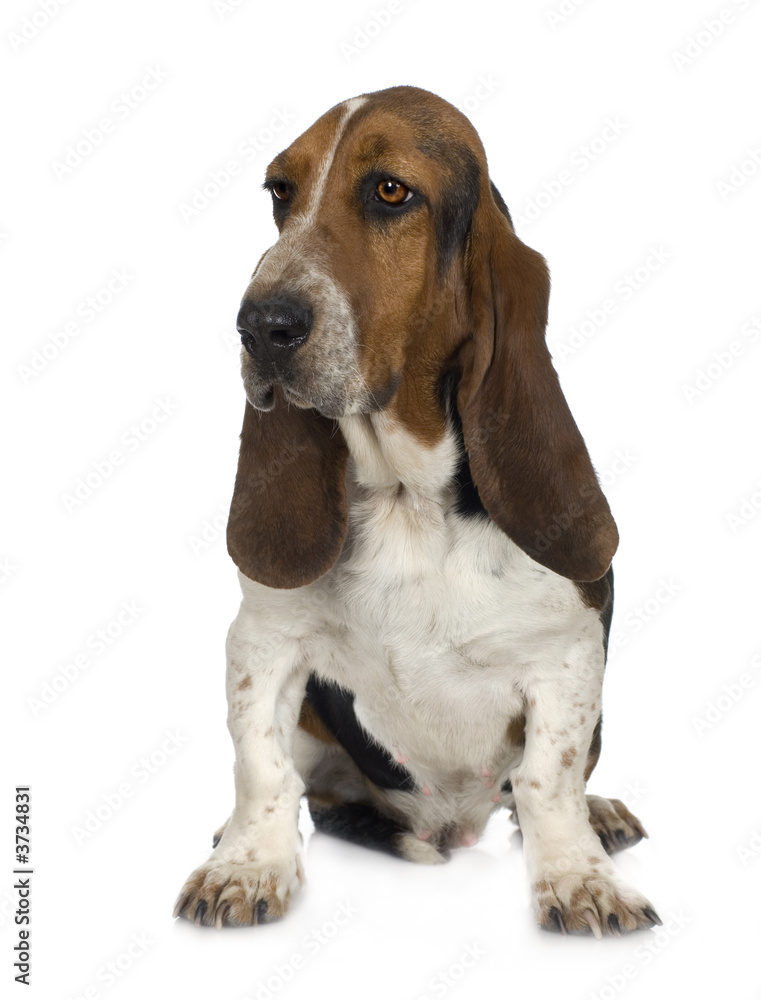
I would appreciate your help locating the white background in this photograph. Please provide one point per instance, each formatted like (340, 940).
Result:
(539, 89)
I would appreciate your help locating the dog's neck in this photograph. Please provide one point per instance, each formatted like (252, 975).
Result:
(386, 455)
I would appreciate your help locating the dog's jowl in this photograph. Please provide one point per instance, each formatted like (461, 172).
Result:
(423, 547)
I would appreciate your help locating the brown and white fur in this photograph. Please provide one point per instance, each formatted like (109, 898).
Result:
(424, 550)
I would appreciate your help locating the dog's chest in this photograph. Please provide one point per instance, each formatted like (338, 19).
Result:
(437, 622)
(442, 624)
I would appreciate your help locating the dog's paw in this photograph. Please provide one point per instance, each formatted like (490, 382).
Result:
(221, 893)
(595, 899)
(616, 827)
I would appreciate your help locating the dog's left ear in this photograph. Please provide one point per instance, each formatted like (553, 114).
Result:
(288, 517)
(527, 457)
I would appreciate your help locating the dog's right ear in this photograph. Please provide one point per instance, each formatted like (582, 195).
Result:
(526, 454)
(288, 518)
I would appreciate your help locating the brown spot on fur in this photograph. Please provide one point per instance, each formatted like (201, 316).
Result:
(245, 683)
(324, 800)
(516, 731)
(535, 784)
(310, 721)
(568, 756)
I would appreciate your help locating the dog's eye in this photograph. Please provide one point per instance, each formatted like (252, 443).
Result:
(392, 192)
(281, 191)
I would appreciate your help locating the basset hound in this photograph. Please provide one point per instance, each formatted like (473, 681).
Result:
(423, 546)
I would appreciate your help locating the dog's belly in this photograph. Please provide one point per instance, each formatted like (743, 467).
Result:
(439, 633)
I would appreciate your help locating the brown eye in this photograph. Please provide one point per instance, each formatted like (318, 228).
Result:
(281, 191)
(392, 192)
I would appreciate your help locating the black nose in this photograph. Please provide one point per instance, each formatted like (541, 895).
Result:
(279, 324)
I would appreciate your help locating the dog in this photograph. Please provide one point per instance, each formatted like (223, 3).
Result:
(423, 548)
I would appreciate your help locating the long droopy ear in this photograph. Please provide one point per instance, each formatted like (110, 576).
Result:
(527, 457)
(288, 520)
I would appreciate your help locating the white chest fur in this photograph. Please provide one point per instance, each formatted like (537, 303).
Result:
(439, 623)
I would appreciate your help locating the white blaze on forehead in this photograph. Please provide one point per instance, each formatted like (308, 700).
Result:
(290, 244)
(323, 169)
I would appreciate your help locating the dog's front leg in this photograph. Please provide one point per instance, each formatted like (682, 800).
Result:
(256, 865)
(575, 886)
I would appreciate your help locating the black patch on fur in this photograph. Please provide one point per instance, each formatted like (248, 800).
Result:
(453, 216)
(381, 398)
(596, 745)
(598, 594)
(359, 824)
(501, 203)
(335, 707)
(606, 613)
(467, 499)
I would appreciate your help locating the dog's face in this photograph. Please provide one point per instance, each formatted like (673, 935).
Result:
(373, 203)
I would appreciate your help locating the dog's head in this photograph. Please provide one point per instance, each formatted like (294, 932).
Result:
(397, 263)
(374, 203)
